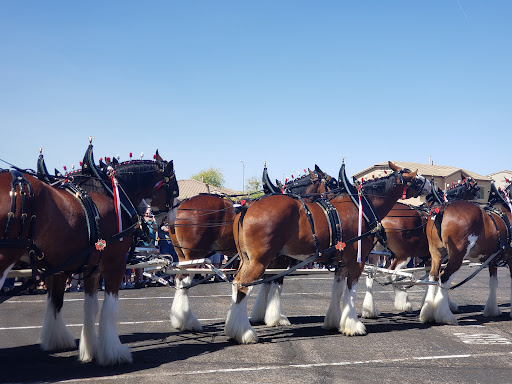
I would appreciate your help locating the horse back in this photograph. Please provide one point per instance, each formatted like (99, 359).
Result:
(465, 227)
(52, 214)
(204, 223)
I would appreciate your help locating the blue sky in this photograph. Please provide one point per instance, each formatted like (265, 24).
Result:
(293, 83)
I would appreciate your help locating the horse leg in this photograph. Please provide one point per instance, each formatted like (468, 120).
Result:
(88, 337)
(274, 315)
(182, 316)
(491, 308)
(350, 325)
(402, 302)
(427, 309)
(333, 316)
(237, 325)
(260, 304)
(54, 335)
(109, 350)
(370, 310)
(442, 311)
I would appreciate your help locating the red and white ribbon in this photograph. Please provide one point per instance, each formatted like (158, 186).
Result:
(360, 224)
(117, 205)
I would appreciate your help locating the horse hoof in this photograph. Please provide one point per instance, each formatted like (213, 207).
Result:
(369, 314)
(354, 328)
(249, 338)
(281, 321)
(192, 325)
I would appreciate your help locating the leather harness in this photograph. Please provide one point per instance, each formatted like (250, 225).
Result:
(21, 185)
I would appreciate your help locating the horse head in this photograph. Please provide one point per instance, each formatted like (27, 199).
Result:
(414, 184)
(328, 183)
(467, 189)
(151, 180)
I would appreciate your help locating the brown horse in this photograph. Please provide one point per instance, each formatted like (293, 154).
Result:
(464, 230)
(406, 239)
(204, 224)
(281, 225)
(77, 228)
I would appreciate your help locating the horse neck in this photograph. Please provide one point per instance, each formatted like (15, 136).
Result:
(138, 186)
(384, 202)
(315, 188)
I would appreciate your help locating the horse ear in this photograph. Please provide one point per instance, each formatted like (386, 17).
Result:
(158, 157)
(393, 167)
(169, 168)
(319, 171)
(311, 172)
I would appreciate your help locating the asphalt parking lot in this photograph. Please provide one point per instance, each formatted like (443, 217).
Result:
(398, 348)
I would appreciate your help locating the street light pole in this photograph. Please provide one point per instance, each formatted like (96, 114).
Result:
(243, 176)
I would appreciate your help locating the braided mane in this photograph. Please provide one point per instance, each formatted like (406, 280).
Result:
(299, 185)
(378, 186)
(137, 171)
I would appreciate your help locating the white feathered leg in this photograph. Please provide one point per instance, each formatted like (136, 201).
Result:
(369, 310)
(350, 325)
(260, 304)
(333, 315)
(442, 312)
(182, 316)
(88, 338)
(274, 315)
(55, 336)
(427, 310)
(402, 302)
(237, 325)
(110, 350)
(491, 307)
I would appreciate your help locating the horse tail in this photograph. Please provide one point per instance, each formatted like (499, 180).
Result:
(240, 212)
(438, 221)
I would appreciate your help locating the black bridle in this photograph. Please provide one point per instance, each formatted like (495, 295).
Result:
(418, 183)
(171, 191)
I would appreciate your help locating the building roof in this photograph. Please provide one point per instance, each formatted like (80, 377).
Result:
(500, 172)
(425, 170)
(192, 187)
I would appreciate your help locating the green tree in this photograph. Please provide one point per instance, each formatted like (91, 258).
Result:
(212, 176)
(253, 184)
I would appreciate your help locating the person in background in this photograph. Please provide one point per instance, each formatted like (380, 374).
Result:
(216, 260)
(140, 280)
(165, 243)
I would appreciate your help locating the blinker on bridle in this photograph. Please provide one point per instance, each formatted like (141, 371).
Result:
(416, 183)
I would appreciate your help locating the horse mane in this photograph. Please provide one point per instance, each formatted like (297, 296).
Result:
(379, 185)
(299, 185)
(458, 190)
(136, 171)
